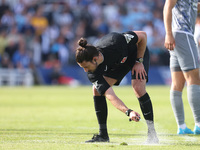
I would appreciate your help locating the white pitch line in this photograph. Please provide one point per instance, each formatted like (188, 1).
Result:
(190, 138)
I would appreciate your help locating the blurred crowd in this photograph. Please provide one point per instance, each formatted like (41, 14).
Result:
(45, 32)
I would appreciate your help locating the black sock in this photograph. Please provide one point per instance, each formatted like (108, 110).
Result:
(146, 107)
(101, 113)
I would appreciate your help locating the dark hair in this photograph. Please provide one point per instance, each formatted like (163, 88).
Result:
(85, 52)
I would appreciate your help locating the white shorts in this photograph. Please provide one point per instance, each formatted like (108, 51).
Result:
(185, 55)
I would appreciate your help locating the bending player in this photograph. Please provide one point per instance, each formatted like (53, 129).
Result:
(106, 63)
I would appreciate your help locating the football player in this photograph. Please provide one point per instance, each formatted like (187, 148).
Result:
(106, 64)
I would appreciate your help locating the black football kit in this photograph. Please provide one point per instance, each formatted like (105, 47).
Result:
(120, 52)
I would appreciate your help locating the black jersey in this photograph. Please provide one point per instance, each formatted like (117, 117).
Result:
(119, 51)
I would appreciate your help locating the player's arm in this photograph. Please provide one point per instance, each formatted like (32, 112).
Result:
(138, 68)
(103, 86)
(116, 102)
(167, 15)
(198, 7)
(141, 43)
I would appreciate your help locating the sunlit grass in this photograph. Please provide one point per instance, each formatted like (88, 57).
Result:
(60, 117)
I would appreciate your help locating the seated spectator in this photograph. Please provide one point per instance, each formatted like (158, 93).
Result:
(3, 39)
(11, 48)
(43, 22)
(56, 75)
(8, 18)
(60, 50)
(3, 7)
(21, 58)
(5, 61)
(39, 22)
(60, 78)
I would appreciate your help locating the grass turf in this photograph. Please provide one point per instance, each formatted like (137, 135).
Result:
(59, 117)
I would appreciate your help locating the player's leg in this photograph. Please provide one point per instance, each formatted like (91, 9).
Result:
(187, 54)
(178, 82)
(146, 108)
(139, 88)
(101, 110)
(183, 57)
(144, 99)
(193, 93)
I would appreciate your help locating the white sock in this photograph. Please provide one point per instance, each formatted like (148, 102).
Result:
(182, 126)
(193, 93)
(177, 106)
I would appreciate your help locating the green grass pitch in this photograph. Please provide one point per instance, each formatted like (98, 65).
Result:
(62, 118)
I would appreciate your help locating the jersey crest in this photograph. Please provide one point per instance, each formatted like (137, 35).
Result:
(123, 60)
(128, 37)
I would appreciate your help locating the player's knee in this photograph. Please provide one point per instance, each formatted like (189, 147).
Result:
(138, 89)
(137, 85)
(192, 77)
(177, 87)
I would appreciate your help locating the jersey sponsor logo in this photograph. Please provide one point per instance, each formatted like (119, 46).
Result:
(128, 37)
(123, 60)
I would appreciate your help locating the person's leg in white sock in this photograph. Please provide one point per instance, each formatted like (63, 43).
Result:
(178, 108)
(193, 93)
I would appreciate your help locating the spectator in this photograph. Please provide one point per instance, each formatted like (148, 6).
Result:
(5, 61)
(3, 39)
(58, 77)
(22, 19)
(3, 8)
(21, 58)
(60, 50)
(50, 19)
(8, 18)
(13, 35)
(38, 21)
(48, 37)
(36, 48)
(65, 17)
(11, 48)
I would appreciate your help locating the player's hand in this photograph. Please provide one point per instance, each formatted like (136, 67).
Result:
(169, 42)
(134, 116)
(138, 68)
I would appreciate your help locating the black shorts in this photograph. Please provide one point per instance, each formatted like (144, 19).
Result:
(120, 72)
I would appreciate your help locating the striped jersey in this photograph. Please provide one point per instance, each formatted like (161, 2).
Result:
(184, 15)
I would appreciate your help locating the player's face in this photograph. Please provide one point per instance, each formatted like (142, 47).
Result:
(88, 66)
